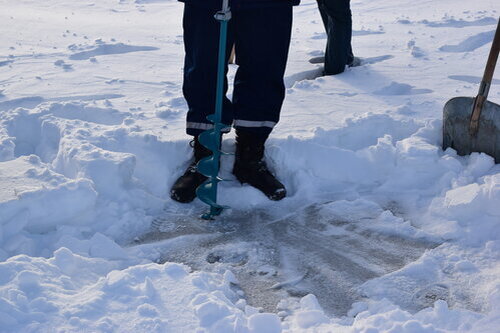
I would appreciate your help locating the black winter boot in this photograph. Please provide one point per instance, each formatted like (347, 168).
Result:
(184, 188)
(249, 166)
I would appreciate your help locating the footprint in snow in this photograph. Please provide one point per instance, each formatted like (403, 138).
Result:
(171, 109)
(108, 49)
(367, 32)
(396, 88)
(313, 74)
(167, 113)
(319, 35)
(471, 79)
(5, 62)
(33, 101)
(63, 65)
(374, 60)
(291, 80)
(471, 43)
(452, 23)
(322, 35)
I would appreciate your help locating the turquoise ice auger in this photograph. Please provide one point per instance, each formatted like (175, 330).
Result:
(210, 166)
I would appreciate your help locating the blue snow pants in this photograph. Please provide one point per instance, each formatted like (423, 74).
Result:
(336, 16)
(261, 37)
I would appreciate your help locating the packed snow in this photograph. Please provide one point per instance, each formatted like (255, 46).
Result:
(382, 230)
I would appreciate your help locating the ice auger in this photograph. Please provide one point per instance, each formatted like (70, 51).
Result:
(210, 166)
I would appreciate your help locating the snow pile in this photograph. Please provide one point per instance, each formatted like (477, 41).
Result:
(78, 294)
(470, 206)
(386, 317)
(55, 175)
(37, 199)
(405, 166)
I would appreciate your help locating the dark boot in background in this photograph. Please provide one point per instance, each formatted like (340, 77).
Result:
(250, 167)
(184, 188)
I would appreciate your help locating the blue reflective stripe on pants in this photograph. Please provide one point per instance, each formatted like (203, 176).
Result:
(261, 37)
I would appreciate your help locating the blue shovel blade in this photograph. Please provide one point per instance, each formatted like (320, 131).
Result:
(208, 166)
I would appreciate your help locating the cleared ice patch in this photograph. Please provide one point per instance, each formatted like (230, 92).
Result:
(327, 250)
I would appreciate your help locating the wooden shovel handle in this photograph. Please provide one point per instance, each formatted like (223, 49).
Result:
(484, 88)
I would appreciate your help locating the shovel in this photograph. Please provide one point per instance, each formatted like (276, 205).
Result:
(473, 124)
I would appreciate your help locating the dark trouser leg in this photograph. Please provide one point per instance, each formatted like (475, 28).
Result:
(201, 43)
(336, 15)
(262, 39)
(324, 14)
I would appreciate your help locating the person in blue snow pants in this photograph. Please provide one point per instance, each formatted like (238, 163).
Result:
(260, 30)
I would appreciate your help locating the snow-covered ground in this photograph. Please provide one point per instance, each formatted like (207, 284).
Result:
(382, 231)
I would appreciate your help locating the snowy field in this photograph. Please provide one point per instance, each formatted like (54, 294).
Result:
(382, 230)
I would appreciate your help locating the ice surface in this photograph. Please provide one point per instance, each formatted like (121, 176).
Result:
(273, 257)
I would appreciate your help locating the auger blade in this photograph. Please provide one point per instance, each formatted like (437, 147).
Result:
(212, 118)
(207, 192)
(214, 211)
(209, 139)
(208, 166)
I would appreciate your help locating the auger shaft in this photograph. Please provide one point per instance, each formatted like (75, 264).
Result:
(210, 166)
(223, 17)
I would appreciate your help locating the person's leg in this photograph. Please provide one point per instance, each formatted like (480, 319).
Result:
(338, 49)
(262, 39)
(201, 43)
(323, 13)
